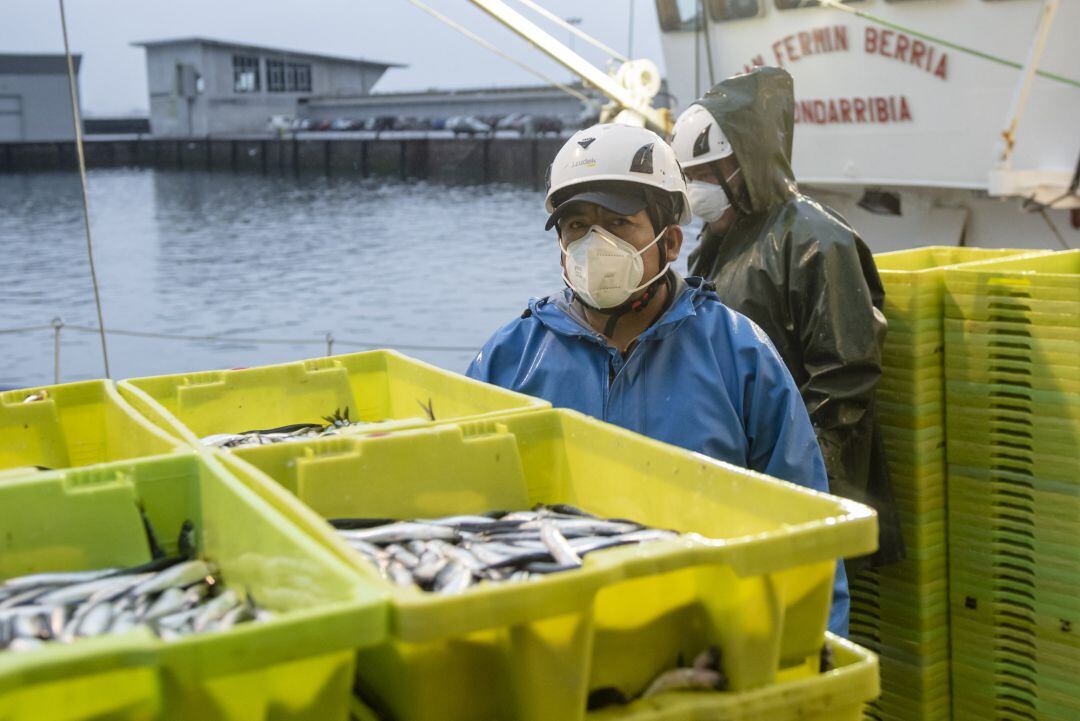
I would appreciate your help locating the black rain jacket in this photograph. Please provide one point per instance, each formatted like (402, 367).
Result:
(798, 270)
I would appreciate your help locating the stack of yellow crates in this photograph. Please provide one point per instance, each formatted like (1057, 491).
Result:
(901, 611)
(1012, 364)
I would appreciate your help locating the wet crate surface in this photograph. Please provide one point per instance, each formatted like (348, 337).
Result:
(383, 390)
(626, 615)
(296, 665)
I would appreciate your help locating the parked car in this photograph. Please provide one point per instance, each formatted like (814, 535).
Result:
(408, 122)
(466, 125)
(281, 122)
(548, 124)
(492, 121)
(384, 122)
(437, 124)
(514, 121)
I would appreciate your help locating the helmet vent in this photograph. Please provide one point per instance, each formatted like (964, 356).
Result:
(642, 162)
(701, 145)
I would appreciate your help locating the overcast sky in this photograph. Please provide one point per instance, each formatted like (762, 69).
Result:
(113, 75)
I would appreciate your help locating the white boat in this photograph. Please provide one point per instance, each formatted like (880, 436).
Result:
(901, 110)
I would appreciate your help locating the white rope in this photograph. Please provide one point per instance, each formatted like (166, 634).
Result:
(328, 339)
(541, 10)
(481, 41)
(77, 118)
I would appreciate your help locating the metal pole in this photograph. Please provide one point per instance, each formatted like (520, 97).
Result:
(630, 33)
(329, 344)
(57, 324)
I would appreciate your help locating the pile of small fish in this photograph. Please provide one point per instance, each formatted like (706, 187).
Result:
(448, 555)
(295, 432)
(335, 422)
(172, 596)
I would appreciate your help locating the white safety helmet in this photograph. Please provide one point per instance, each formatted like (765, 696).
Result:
(614, 152)
(697, 138)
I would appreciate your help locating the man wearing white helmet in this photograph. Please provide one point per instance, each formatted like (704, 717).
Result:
(630, 342)
(798, 270)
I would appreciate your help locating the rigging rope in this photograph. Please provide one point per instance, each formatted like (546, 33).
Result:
(77, 119)
(327, 339)
(544, 12)
(484, 43)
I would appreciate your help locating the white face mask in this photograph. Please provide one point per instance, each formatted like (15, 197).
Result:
(604, 270)
(708, 201)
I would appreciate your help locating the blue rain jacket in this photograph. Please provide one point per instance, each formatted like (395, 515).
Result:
(754, 417)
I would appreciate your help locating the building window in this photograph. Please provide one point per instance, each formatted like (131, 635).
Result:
(794, 4)
(303, 77)
(275, 76)
(724, 10)
(245, 70)
(678, 14)
(283, 77)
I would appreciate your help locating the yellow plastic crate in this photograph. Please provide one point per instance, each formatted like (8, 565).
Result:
(836, 695)
(384, 389)
(74, 424)
(1048, 277)
(295, 666)
(912, 266)
(913, 278)
(760, 591)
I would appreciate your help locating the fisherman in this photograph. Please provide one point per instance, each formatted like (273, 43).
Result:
(631, 342)
(798, 270)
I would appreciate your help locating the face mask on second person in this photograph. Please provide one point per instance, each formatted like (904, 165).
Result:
(605, 270)
(709, 201)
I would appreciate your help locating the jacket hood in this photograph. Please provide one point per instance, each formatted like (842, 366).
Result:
(756, 111)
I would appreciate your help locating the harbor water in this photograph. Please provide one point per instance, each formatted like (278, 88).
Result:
(430, 269)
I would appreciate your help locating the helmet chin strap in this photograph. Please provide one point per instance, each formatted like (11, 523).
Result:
(635, 304)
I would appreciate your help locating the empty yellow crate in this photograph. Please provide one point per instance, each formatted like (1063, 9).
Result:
(70, 425)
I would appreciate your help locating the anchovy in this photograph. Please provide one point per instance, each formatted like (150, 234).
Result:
(403, 556)
(55, 579)
(399, 574)
(404, 531)
(558, 545)
(170, 601)
(215, 610)
(686, 679)
(428, 569)
(79, 592)
(27, 596)
(586, 527)
(182, 574)
(454, 578)
(96, 621)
